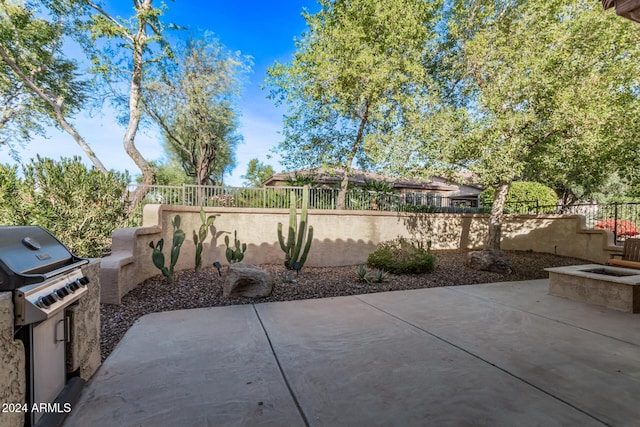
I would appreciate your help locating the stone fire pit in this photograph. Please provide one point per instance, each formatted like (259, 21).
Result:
(613, 287)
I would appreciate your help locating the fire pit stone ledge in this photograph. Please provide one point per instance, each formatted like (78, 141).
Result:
(612, 287)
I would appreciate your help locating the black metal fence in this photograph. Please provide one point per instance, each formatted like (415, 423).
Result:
(620, 218)
(319, 198)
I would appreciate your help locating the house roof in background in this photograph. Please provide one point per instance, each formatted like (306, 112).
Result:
(332, 176)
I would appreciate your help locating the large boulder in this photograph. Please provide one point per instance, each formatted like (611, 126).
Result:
(246, 280)
(489, 260)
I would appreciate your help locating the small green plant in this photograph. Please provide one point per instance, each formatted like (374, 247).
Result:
(201, 235)
(380, 276)
(287, 278)
(237, 254)
(295, 256)
(363, 274)
(158, 257)
(401, 256)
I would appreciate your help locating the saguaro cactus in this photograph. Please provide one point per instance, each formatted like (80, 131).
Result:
(295, 256)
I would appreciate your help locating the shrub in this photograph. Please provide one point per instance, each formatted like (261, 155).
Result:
(624, 227)
(401, 256)
(80, 206)
(522, 191)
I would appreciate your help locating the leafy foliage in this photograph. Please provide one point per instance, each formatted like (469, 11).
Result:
(622, 227)
(257, 173)
(355, 82)
(192, 101)
(39, 87)
(522, 191)
(535, 89)
(79, 206)
(401, 256)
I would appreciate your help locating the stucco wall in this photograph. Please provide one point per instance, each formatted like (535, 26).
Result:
(340, 238)
(13, 382)
(83, 348)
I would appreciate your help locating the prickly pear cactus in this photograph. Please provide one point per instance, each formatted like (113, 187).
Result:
(201, 235)
(237, 254)
(158, 257)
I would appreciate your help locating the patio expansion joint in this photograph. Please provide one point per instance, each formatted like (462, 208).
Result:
(573, 325)
(284, 377)
(478, 357)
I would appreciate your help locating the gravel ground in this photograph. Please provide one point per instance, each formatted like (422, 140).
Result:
(204, 289)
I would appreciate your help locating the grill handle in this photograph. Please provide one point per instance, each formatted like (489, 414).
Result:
(49, 274)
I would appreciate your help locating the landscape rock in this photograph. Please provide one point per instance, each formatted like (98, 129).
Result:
(489, 260)
(246, 280)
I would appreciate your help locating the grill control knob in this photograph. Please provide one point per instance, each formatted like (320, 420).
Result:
(45, 301)
(61, 293)
(74, 286)
(70, 288)
(83, 280)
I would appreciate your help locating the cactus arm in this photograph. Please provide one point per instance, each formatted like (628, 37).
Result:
(293, 221)
(158, 258)
(281, 238)
(295, 252)
(307, 247)
(201, 236)
(178, 239)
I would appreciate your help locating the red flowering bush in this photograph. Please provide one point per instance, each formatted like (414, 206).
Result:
(625, 228)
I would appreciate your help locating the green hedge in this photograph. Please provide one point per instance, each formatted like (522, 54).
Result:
(80, 206)
(521, 192)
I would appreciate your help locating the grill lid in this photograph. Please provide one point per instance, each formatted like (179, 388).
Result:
(30, 254)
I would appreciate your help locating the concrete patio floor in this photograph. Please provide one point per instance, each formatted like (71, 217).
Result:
(501, 354)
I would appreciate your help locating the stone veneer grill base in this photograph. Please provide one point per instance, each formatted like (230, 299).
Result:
(612, 287)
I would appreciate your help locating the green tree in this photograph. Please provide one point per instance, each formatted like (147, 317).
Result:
(355, 81)
(171, 173)
(38, 85)
(257, 173)
(193, 103)
(123, 52)
(536, 88)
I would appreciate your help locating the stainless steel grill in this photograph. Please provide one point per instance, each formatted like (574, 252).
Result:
(45, 278)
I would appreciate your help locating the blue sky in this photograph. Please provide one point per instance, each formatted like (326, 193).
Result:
(264, 30)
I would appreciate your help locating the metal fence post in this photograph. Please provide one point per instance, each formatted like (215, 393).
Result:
(615, 223)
